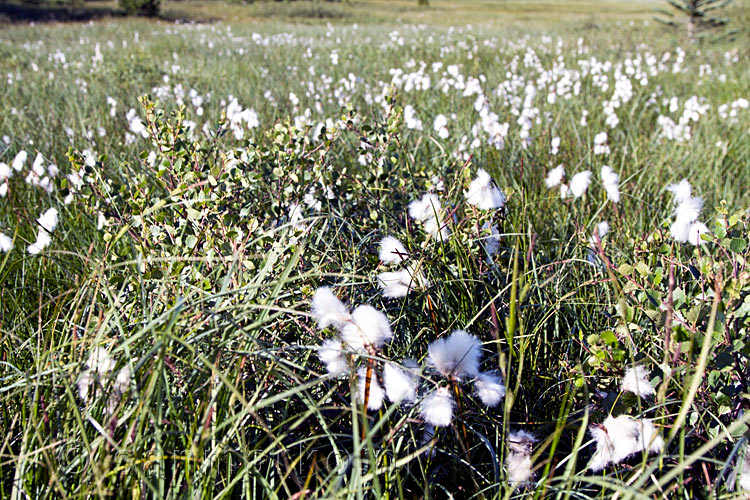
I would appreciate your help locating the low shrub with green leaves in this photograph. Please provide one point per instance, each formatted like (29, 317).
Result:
(145, 7)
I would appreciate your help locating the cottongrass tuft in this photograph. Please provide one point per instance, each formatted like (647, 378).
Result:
(618, 438)
(600, 231)
(580, 183)
(99, 366)
(636, 381)
(6, 244)
(375, 396)
(456, 356)
(47, 224)
(436, 229)
(682, 191)
(400, 385)
(296, 216)
(518, 459)
(395, 284)
(489, 388)
(695, 231)
(399, 283)
(555, 176)
(428, 211)
(331, 354)
(49, 219)
(437, 408)
(392, 251)
(484, 194)
(368, 328)
(19, 160)
(427, 207)
(686, 227)
(5, 171)
(611, 183)
(328, 310)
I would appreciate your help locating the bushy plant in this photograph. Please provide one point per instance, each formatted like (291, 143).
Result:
(141, 7)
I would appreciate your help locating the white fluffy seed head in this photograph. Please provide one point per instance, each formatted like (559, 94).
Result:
(611, 183)
(85, 382)
(483, 193)
(328, 310)
(120, 387)
(457, 355)
(682, 191)
(518, 459)
(689, 210)
(5, 171)
(49, 219)
(376, 395)
(425, 208)
(19, 160)
(680, 230)
(489, 388)
(686, 215)
(100, 361)
(580, 183)
(38, 165)
(396, 284)
(122, 382)
(368, 327)
(436, 229)
(651, 440)
(602, 228)
(399, 283)
(617, 438)
(519, 468)
(636, 381)
(43, 239)
(392, 251)
(600, 231)
(331, 354)
(555, 176)
(437, 407)
(98, 367)
(695, 231)
(6, 244)
(400, 384)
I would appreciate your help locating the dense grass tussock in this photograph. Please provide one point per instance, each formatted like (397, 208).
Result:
(328, 261)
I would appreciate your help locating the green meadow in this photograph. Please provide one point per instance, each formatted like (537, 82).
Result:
(198, 298)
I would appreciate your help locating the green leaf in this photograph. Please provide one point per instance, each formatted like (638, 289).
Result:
(609, 337)
(642, 268)
(738, 245)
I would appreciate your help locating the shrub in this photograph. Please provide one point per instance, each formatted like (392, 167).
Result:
(141, 7)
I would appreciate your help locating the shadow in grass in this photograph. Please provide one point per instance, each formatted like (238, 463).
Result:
(11, 12)
(26, 13)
